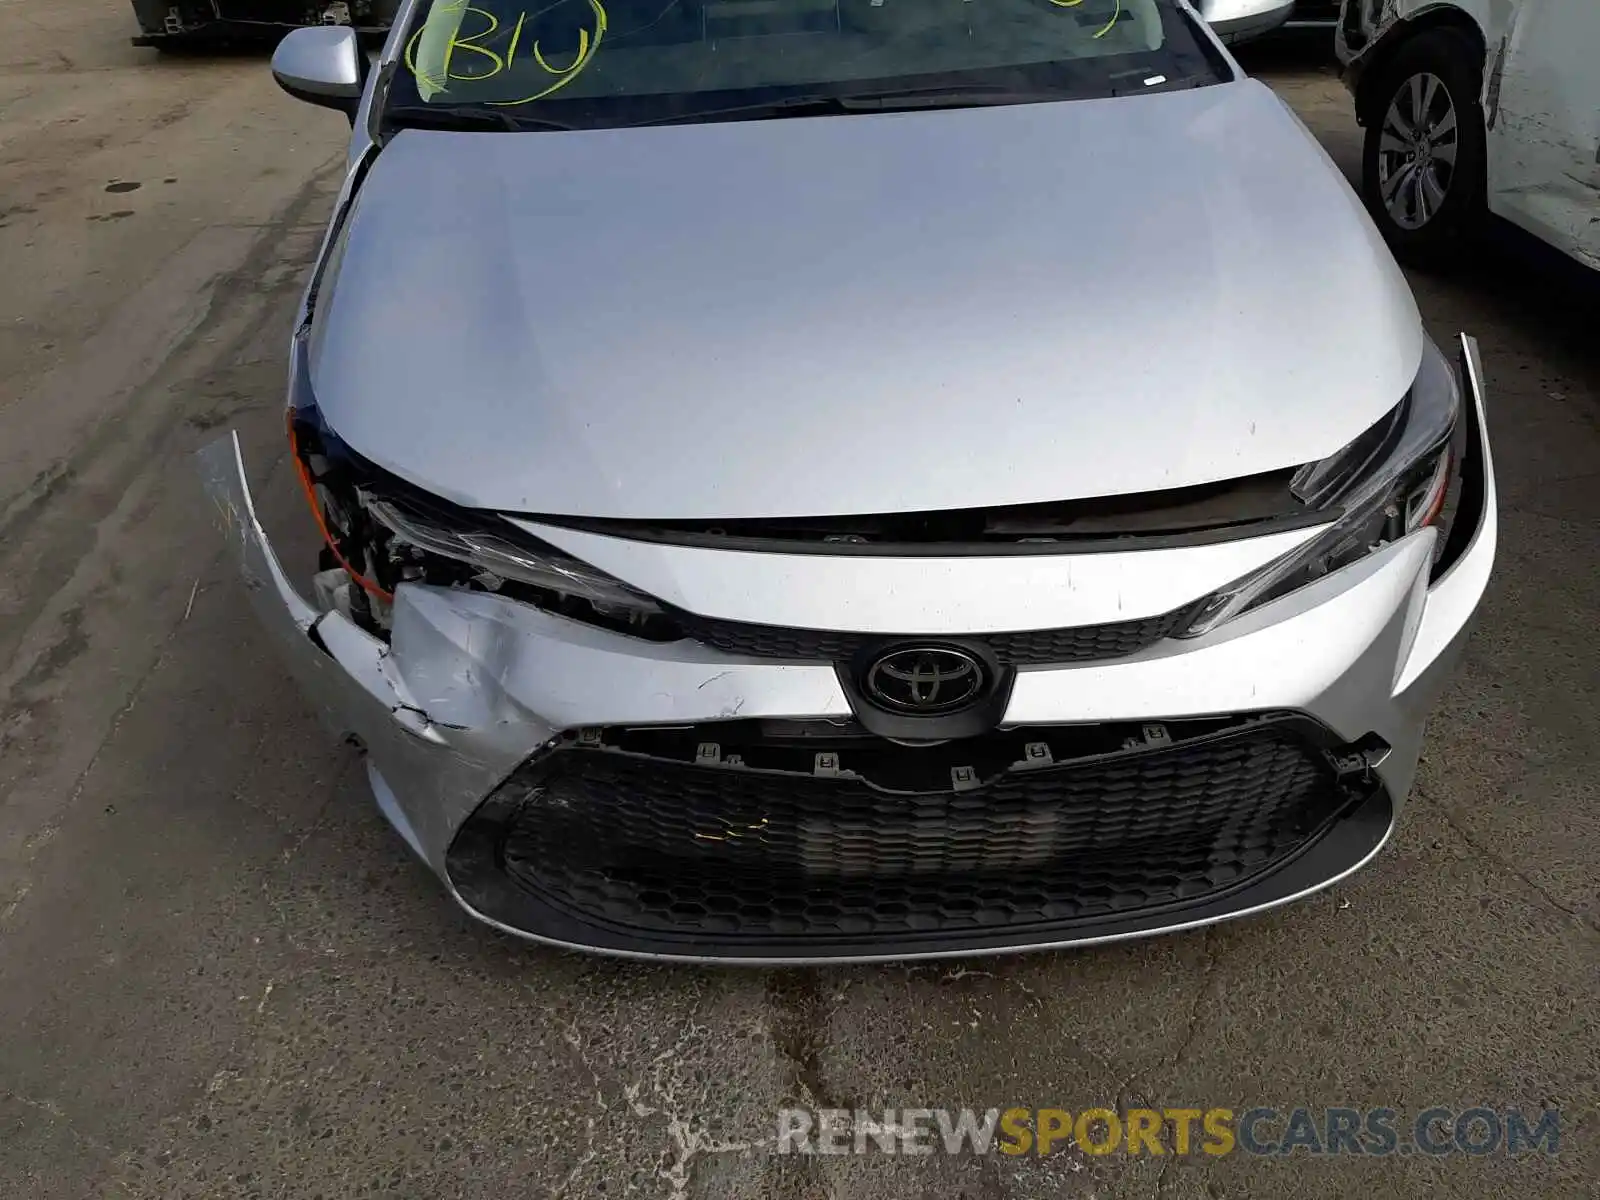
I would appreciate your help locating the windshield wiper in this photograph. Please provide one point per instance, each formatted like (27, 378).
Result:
(968, 96)
(463, 117)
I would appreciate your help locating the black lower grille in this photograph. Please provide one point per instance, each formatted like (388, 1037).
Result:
(782, 836)
(1028, 647)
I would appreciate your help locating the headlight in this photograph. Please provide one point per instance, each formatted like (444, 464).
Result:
(498, 559)
(383, 532)
(1390, 481)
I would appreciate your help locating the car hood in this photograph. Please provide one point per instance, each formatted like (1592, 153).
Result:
(860, 314)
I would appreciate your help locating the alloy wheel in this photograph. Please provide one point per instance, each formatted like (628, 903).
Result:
(1417, 151)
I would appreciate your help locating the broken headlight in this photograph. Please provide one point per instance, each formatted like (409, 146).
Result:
(488, 548)
(382, 531)
(1389, 482)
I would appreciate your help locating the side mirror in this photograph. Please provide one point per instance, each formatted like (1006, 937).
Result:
(322, 64)
(1241, 20)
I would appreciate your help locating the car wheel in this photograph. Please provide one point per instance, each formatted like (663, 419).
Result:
(1423, 164)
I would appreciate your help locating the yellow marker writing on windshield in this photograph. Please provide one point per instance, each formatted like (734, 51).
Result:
(431, 53)
(432, 46)
(586, 48)
(1104, 29)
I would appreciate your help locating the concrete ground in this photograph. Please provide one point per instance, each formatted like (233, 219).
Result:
(221, 975)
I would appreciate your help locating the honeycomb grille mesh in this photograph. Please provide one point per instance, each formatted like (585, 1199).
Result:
(1028, 647)
(650, 844)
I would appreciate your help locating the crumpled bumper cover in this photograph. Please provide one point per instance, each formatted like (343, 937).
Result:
(447, 708)
(349, 676)
(471, 686)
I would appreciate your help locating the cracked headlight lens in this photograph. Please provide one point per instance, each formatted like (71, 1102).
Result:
(383, 531)
(502, 559)
(1389, 482)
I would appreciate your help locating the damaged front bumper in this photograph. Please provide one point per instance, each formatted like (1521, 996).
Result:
(470, 684)
(476, 693)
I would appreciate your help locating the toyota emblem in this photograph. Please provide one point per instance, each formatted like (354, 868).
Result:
(925, 681)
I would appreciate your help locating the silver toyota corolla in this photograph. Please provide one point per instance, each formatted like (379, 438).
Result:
(810, 479)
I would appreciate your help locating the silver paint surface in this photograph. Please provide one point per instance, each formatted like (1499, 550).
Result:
(871, 313)
(955, 594)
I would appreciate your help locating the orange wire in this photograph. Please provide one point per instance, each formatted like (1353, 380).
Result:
(309, 488)
(1437, 506)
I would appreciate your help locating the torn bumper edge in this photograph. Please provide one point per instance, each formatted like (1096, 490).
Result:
(1453, 598)
(349, 677)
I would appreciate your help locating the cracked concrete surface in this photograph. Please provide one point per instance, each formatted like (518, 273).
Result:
(221, 976)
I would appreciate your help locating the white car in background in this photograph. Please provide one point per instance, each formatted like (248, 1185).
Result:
(1474, 107)
(1235, 21)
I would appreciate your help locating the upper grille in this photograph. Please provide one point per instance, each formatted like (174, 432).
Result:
(733, 853)
(1028, 647)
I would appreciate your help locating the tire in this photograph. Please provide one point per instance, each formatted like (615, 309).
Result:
(1429, 205)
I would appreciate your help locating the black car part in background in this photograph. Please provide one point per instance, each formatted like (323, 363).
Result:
(173, 24)
(1313, 14)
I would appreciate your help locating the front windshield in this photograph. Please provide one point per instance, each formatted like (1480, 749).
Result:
(593, 63)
